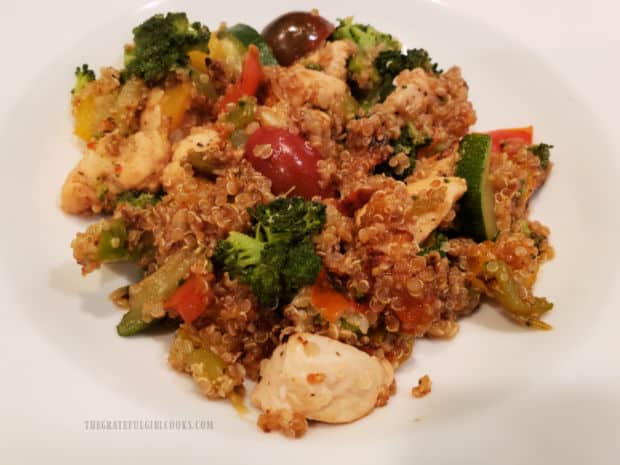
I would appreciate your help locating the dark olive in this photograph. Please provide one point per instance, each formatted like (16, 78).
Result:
(295, 34)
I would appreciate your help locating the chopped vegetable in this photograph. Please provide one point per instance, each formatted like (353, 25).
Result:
(138, 199)
(191, 299)
(477, 213)
(344, 324)
(503, 288)
(289, 220)
(501, 136)
(176, 101)
(87, 117)
(392, 62)
(212, 364)
(280, 258)
(543, 152)
(227, 51)
(198, 60)
(328, 301)
(247, 35)
(113, 242)
(132, 323)
(161, 44)
(152, 291)
(249, 81)
(83, 75)
(242, 113)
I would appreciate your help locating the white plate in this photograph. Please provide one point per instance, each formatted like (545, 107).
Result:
(501, 394)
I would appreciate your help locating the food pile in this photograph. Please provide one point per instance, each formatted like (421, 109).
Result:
(303, 203)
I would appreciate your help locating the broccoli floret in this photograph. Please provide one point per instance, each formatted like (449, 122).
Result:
(161, 44)
(419, 58)
(279, 259)
(83, 75)
(289, 219)
(370, 42)
(409, 141)
(138, 199)
(301, 268)
(543, 152)
(238, 252)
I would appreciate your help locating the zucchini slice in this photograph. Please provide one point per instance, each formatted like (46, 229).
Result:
(477, 212)
(247, 35)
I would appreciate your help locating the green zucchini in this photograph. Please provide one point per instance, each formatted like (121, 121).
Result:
(247, 35)
(477, 206)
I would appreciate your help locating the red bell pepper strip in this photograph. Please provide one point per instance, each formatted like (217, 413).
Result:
(500, 136)
(249, 81)
(191, 299)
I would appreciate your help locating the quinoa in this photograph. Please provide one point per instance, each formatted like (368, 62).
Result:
(423, 388)
(398, 288)
(289, 423)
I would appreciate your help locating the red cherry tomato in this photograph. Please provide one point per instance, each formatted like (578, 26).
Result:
(285, 158)
(295, 34)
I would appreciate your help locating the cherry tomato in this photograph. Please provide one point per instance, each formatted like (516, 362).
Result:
(285, 158)
(295, 34)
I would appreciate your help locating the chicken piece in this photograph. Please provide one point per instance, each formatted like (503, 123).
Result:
(435, 198)
(300, 86)
(333, 58)
(322, 379)
(203, 143)
(413, 94)
(118, 164)
(277, 116)
(437, 106)
(430, 167)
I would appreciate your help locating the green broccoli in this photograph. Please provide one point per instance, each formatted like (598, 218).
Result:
(360, 69)
(408, 142)
(543, 152)
(301, 263)
(289, 219)
(161, 44)
(279, 259)
(138, 199)
(392, 63)
(239, 252)
(83, 75)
